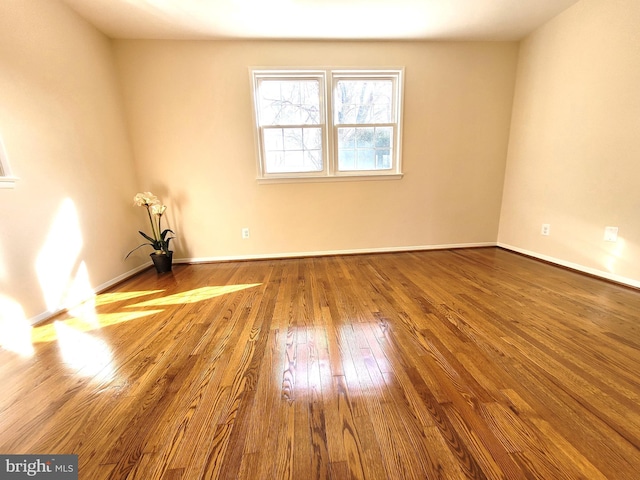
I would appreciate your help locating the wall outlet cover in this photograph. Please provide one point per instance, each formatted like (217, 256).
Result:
(546, 229)
(610, 234)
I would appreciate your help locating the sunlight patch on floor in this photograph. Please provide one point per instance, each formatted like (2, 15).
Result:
(18, 336)
(49, 332)
(88, 355)
(113, 297)
(195, 295)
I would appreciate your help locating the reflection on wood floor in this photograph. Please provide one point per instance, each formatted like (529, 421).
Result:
(475, 363)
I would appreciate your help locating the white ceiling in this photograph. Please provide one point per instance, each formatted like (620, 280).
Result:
(319, 19)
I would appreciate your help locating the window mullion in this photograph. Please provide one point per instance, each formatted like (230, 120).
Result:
(328, 125)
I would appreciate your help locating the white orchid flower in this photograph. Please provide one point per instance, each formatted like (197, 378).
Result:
(145, 199)
(158, 209)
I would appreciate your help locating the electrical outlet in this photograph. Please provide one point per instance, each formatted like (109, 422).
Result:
(245, 233)
(546, 229)
(610, 234)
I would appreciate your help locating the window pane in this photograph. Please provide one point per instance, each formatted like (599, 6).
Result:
(346, 138)
(365, 148)
(363, 101)
(312, 139)
(273, 139)
(346, 160)
(274, 162)
(313, 160)
(364, 137)
(289, 102)
(382, 112)
(292, 138)
(383, 137)
(290, 150)
(366, 159)
(383, 159)
(293, 160)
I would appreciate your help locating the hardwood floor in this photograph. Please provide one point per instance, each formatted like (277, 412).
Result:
(474, 363)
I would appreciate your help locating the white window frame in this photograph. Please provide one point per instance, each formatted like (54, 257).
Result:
(7, 180)
(329, 77)
(320, 76)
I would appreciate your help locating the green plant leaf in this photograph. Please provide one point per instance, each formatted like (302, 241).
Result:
(153, 240)
(142, 245)
(164, 233)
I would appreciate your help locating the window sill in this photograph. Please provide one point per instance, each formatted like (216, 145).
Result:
(8, 182)
(334, 178)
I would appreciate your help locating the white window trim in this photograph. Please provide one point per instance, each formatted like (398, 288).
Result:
(7, 180)
(328, 78)
(306, 74)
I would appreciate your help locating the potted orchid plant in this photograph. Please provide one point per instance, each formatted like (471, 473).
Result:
(159, 239)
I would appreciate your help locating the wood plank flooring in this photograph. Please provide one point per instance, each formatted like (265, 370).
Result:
(473, 363)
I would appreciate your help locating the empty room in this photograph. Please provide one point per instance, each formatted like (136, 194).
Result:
(296, 239)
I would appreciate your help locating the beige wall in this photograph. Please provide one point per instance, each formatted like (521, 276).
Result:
(68, 222)
(574, 151)
(190, 117)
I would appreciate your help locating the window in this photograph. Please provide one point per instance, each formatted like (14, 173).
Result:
(327, 123)
(291, 123)
(7, 180)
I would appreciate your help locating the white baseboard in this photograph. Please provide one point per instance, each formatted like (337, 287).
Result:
(100, 288)
(123, 277)
(44, 316)
(574, 266)
(323, 253)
